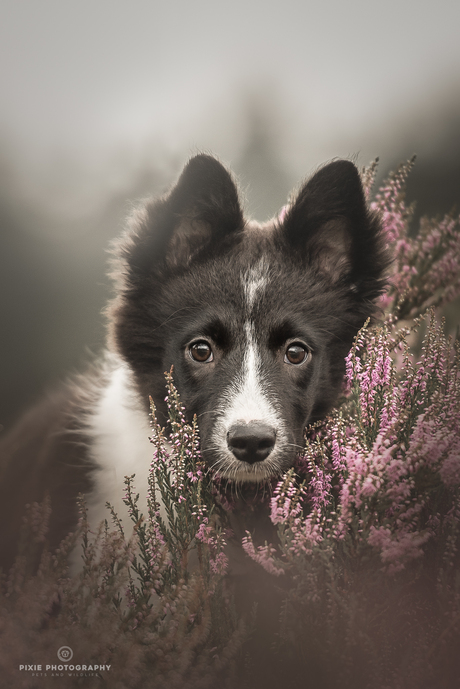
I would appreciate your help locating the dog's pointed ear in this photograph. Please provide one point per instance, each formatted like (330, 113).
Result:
(330, 224)
(200, 210)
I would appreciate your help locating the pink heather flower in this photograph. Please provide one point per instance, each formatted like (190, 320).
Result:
(203, 531)
(219, 564)
(368, 177)
(286, 501)
(450, 468)
(306, 534)
(397, 549)
(320, 487)
(426, 267)
(37, 518)
(264, 555)
(338, 450)
(216, 543)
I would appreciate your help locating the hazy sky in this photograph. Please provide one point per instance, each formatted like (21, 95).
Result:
(83, 80)
(103, 100)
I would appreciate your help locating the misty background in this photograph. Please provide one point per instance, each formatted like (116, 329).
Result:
(102, 102)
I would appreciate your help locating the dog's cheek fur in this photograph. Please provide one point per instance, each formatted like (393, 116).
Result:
(135, 333)
(325, 262)
(186, 255)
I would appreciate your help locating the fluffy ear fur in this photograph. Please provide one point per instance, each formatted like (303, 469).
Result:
(201, 210)
(331, 225)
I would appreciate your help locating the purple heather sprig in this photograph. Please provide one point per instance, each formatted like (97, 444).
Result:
(264, 555)
(380, 462)
(368, 522)
(426, 267)
(180, 494)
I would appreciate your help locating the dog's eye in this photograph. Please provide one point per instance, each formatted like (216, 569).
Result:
(296, 354)
(201, 352)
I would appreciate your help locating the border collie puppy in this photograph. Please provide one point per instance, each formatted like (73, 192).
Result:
(256, 320)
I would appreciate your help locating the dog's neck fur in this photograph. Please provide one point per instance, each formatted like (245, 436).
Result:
(119, 428)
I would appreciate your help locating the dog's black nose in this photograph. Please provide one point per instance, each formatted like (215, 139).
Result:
(251, 442)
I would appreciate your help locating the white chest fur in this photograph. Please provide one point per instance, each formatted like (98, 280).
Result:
(120, 430)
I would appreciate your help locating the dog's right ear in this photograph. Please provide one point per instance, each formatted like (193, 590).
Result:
(200, 211)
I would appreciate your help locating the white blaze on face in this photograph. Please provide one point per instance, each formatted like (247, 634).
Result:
(247, 397)
(249, 401)
(254, 280)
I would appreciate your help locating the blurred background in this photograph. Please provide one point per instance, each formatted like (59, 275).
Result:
(103, 101)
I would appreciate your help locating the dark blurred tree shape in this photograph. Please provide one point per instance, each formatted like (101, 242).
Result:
(259, 168)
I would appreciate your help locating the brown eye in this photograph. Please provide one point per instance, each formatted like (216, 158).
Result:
(296, 354)
(201, 352)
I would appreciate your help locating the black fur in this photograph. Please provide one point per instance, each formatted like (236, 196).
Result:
(180, 274)
(181, 266)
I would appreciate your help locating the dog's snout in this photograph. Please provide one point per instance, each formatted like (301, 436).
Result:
(251, 442)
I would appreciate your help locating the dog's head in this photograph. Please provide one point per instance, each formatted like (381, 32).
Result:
(255, 319)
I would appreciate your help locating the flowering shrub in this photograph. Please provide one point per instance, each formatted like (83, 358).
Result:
(368, 521)
(426, 266)
(364, 553)
(154, 607)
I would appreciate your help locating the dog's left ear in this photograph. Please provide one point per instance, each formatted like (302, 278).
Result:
(330, 225)
(200, 210)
